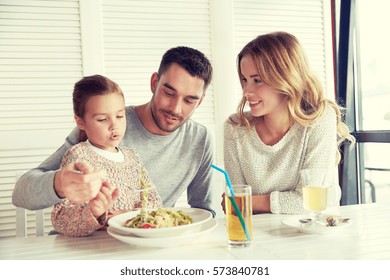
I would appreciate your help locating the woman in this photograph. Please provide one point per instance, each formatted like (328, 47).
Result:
(291, 126)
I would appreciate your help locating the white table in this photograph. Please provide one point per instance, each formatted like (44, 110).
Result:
(368, 237)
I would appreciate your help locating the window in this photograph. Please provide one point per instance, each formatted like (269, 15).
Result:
(363, 86)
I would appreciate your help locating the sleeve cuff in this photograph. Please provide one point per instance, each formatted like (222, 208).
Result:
(274, 202)
(48, 180)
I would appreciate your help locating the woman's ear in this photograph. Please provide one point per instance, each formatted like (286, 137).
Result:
(79, 122)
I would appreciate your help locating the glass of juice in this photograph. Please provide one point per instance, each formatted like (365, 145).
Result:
(239, 215)
(315, 184)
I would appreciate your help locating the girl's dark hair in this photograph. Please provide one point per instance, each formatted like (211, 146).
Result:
(91, 86)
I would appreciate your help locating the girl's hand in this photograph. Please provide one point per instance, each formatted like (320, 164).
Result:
(103, 200)
(111, 214)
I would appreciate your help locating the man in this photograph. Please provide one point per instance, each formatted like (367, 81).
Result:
(176, 150)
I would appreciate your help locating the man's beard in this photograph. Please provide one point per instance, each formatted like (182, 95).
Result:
(160, 125)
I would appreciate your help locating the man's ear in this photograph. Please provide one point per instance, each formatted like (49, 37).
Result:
(154, 82)
(79, 122)
(201, 99)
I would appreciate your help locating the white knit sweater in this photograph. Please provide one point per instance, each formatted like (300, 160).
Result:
(275, 169)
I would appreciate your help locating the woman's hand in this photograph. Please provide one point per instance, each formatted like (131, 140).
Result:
(223, 203)
(260, 203)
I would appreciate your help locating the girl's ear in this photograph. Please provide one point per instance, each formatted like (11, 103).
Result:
(79, 122)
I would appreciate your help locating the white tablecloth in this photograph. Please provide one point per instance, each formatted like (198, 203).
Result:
(368, 237)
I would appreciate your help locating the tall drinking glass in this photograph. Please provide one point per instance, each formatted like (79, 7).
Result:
(239, 225)
(316, 183)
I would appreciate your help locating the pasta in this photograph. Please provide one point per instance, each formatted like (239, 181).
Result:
(159, 218)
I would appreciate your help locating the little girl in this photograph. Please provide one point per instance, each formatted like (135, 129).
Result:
(99, 110)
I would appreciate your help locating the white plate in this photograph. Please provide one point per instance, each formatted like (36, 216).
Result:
(165, 242)
(198, 216)
(318, 228)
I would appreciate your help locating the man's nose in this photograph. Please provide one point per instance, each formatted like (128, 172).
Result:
(176, 106)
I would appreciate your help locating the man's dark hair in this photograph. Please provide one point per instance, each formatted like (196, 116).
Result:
(193, 61)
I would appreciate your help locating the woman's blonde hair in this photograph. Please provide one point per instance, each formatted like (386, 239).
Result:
(282, 64)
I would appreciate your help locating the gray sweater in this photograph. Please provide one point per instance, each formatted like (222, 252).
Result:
(176, 163)
(275, 170)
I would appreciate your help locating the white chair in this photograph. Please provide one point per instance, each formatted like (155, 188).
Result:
(21, 222)
(21, 218)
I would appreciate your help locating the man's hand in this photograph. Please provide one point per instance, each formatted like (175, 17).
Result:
(78, 182)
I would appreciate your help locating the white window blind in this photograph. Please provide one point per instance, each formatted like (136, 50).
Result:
(137, 33)
(40, 59)
(306, 19)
